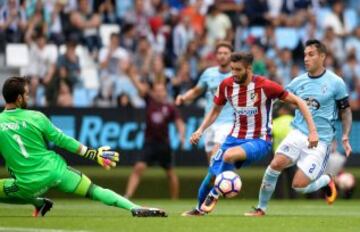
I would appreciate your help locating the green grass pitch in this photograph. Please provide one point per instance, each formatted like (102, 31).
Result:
(283, 216)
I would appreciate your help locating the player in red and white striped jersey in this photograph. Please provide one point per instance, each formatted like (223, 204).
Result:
(251, 97)
(252, 104)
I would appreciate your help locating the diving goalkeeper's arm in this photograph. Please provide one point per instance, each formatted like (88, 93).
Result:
(103, 155)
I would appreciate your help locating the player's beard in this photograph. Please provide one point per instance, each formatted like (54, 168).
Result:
(241, 79)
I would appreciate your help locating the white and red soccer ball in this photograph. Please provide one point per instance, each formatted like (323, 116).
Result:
(345, 181)
(228, 184)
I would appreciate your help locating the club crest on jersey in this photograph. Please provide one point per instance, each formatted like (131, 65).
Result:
(324, 88)
(253, 96)
(247, 111)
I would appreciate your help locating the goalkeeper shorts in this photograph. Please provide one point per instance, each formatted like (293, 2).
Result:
(71, 181)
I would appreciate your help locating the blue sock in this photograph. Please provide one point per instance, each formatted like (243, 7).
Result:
(204, 189)
(267, 187)
(224, 166)
(315, 185)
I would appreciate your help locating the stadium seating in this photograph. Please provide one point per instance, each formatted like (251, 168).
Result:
(286, 37)
(106, 30)
(12, 57)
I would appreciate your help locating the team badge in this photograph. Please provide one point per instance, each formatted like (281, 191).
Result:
(253, 96)
(324, 88)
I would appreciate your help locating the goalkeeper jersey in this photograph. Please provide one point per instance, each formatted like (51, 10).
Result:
(24, 135)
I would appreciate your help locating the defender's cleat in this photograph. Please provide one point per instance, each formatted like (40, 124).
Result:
(209, 204)
(256, 212)
(193, 212)
(330, 192)
(42, 210)
(148, 212)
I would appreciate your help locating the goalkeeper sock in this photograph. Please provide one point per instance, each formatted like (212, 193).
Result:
(204, 189)
(109, 197)
(316, 185)
(267, 187)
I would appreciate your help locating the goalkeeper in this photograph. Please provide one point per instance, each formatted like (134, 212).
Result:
(35, 169)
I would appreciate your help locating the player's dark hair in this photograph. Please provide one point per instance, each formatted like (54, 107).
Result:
(318, 44)
(244, 57)
(225, 44)
(13, 87)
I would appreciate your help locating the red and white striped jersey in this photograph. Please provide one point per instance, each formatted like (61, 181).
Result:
(252, 105)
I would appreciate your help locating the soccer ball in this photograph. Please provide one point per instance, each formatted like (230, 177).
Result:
(345, 181)
(228, 184)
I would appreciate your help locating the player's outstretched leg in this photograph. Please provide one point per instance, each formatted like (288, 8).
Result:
(75, 182)
(111, 198)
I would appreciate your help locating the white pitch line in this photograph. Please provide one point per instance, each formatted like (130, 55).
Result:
(19, 229)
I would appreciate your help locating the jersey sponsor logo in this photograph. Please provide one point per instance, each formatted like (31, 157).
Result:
(248, 111)
(312, 103)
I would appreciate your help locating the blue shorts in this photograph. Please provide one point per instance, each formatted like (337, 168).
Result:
(256, 149)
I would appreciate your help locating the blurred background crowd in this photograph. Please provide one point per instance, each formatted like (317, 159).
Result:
(84, 53)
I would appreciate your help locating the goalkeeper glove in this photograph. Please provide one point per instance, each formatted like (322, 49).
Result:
(102, 156)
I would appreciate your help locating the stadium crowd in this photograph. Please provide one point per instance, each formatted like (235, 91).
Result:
(74, 61)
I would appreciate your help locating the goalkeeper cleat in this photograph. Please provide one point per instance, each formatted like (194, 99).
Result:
(209, 204)
(148, 212)
(330, 192)
(193, 212)
(42, 210)
(256, 212)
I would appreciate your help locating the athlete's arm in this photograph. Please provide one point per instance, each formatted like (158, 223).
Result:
(102, 156)
(209, 119)
(141, 87)
(313, 136)
(346, 121)
(189, 96)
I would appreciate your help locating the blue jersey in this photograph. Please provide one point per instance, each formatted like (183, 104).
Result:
(209, 80)
(321, 94)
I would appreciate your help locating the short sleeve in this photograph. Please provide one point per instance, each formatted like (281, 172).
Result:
(274, 90)
(219, 98)
(341, 90)
(202, 81)
(291, 86)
